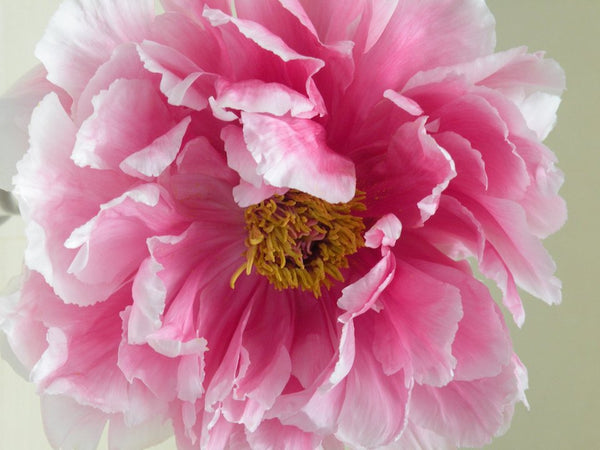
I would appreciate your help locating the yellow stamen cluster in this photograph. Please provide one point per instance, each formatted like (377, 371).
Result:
(300, 241)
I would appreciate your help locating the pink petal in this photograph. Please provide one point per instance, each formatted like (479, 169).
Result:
(405, 103)
(182, 81)
(399, 46)
(127, 117)
(421, 438)
(252, 188)
(121, 226)
(381, 399)
(482, 345)
(252, 42)
(82, 35)
(477, 121)
(124, 63)
(16, 107)
(47, 182)
(469, 413)
(529, 263)
(271, 434)
(293, 153)
(409, 178)
(255, 96)
(415, 330)
(152, 160)
(385, 232)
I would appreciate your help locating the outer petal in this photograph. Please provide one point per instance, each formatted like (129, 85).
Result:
(482, 345)
(404, 46)
(470, 413)
(58, 412)
(416, 329)
(48, 182)
(127, 117)
(272, 435)
(83, 33)
(381, 399)
(16, 107)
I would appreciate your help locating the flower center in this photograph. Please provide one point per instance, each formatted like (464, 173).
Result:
(300, 241)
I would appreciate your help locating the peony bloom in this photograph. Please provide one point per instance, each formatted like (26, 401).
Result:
(253, 223)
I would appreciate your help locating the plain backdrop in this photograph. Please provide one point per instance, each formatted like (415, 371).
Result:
(560, 345)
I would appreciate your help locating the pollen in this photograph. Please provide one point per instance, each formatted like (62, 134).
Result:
(298, 241)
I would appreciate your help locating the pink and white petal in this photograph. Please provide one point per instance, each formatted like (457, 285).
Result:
(122, 436)
(268, 369)
(399, 47)
(330, 20)
(149, 295)
(22, 327)
(542, 194)
(120, 227)
(16, 107)
(381, 399)
(70, 425)
(408, 178)
(48, 182)
(534, 84)
(545, 179)
(405, 103)
(82, 35)
(190, 377)
(455, 231)
(157, 372)
(273, 435)
(482, 344)
(251, 189)
(505, 225)
(385, 232)
(256, 96)
(246, 194)
(224, 435)
(124, 63)
(468, 412)
(259, 54)
(182, 81)
(495, 268)
(293, 153)
(416, 327)
(89, 348)
(416, 437)
(238, 156)
(476, 120)
(127, 117)
(201, 184)
(361, 296)
(152, 160)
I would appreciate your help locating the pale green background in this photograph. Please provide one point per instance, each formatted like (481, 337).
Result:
(559, 345)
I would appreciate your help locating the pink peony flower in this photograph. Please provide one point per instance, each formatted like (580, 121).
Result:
(252, 223)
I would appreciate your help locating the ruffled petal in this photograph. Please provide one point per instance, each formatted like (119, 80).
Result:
(469, 413)
(16, 107)
(82, 35)
(415, 331)
(127, 117)
(292, 153)
(381, 400)
(408, 178)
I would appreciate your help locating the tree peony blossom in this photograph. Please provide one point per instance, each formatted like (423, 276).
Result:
(253, 223)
